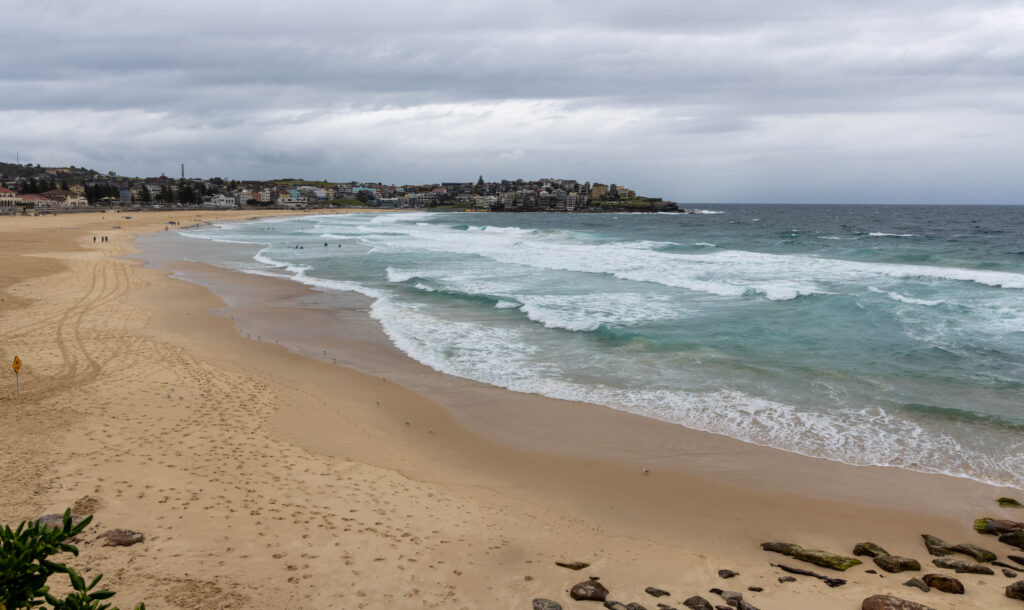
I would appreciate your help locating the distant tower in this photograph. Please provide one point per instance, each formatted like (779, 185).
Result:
(182, 171)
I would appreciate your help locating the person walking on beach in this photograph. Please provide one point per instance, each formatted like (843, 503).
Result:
(93, 239)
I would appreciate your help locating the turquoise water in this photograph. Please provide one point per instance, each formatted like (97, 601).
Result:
(877, 335)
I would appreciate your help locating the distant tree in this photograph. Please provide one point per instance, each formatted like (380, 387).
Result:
(63, 185)
(144, 195)
(92, 193)
(186, 194)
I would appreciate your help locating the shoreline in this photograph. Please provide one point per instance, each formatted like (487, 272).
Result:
(270, 307)
(290, 429)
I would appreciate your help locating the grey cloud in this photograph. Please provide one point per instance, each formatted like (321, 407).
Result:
(411, 89)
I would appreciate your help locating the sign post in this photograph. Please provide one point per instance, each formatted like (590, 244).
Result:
(17, 369)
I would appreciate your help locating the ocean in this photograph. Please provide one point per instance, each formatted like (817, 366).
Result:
(870, 335)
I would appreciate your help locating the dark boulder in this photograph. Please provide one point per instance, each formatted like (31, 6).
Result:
(889, 602)
(940, 548)
(1009, 503)
(996, 527)
(698, 603)
(917, 582)
(820, 558)
(653, 591)
(946, 584)
(1013, 539)
(962, 567)
(1016, 559)
(975, 551)
(546, 604)
(727, 573)
(895, 563)
(589, 590)
(870, 549)
(572, 565)
(936, 546)
(1016, 590)
(1009, 573)
(731, 597)
(832, 582)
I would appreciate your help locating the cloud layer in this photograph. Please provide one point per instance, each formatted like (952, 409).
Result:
(833, 101)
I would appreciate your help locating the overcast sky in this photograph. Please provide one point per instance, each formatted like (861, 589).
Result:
(714, 101)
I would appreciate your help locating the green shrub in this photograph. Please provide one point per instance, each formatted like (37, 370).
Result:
(25, 567)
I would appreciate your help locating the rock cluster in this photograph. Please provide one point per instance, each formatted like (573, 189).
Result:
(1008, 531)
(882, 558)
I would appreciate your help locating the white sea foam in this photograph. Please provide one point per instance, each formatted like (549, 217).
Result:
(893, 235)
(706, 244)
(506, 357)
(905, 299)
(723, 272)
(507, 305)
(260, 257)
(400, 275)
(587, 312)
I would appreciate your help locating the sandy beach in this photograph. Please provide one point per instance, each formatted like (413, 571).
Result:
(281, 455)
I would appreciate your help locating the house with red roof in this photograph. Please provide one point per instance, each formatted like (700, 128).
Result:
(8, 200)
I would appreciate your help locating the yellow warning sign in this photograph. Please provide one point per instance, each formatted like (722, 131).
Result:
(17, 365)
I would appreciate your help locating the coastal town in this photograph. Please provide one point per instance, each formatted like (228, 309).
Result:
(31, 189)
